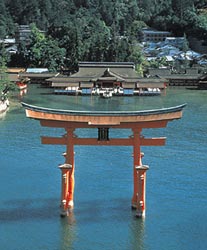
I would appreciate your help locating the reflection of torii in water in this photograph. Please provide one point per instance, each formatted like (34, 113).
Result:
(104, 121)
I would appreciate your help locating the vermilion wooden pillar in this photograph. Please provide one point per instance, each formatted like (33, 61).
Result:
(139, 175)
(70, 160)
(67, 169)
(141, 190)
(136, 162)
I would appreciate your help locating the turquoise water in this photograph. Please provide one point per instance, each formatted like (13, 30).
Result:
(176, 215)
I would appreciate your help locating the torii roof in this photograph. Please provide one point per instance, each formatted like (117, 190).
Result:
(104, 117)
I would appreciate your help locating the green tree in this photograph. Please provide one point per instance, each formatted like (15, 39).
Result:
(44, 51)
(200, 30)
(199, 3)
(99, 41)
(68, 38)
(6, 24)
(4, 56)
(135, 30)
(4, 78)
(137, 57)
(15, 9)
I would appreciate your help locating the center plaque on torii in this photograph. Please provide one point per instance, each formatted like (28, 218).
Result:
(103, 121)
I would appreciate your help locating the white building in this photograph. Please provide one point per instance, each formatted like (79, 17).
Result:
(175, 41)
(151, 35)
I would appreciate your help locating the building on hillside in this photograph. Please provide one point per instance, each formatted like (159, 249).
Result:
(12, 49)
(189, 77)
(152, 35)
(177, 42)
(9, 45)
(8, 42)
(95, 77)
(22, 34)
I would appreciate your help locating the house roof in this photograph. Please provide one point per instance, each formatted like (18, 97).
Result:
(37, 70)
(37, 75)
(15, 70)
(97, 69)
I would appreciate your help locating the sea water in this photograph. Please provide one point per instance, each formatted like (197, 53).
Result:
(176, 195)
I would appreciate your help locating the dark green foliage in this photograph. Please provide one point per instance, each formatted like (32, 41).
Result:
(44, 51)
(4, 78)
(96, 30)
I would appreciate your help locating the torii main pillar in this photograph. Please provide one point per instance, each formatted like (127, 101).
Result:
(103, 122)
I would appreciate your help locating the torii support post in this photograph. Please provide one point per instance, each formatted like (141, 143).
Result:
(67, 172)
(141, 190)
(137, 162)
(103, 121)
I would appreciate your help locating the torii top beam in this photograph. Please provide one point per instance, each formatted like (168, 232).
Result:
(121, 119)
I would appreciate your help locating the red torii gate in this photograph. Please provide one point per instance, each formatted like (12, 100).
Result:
(104, 120)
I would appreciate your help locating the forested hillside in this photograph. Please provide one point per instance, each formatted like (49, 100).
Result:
(97, 30)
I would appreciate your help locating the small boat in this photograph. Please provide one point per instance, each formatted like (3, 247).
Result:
(68, 91)
(118, 91)
(150, 91)
(107, 94)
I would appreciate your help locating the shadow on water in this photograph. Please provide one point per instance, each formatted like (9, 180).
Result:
(94, 211)
(23, 210)
(98, 211)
